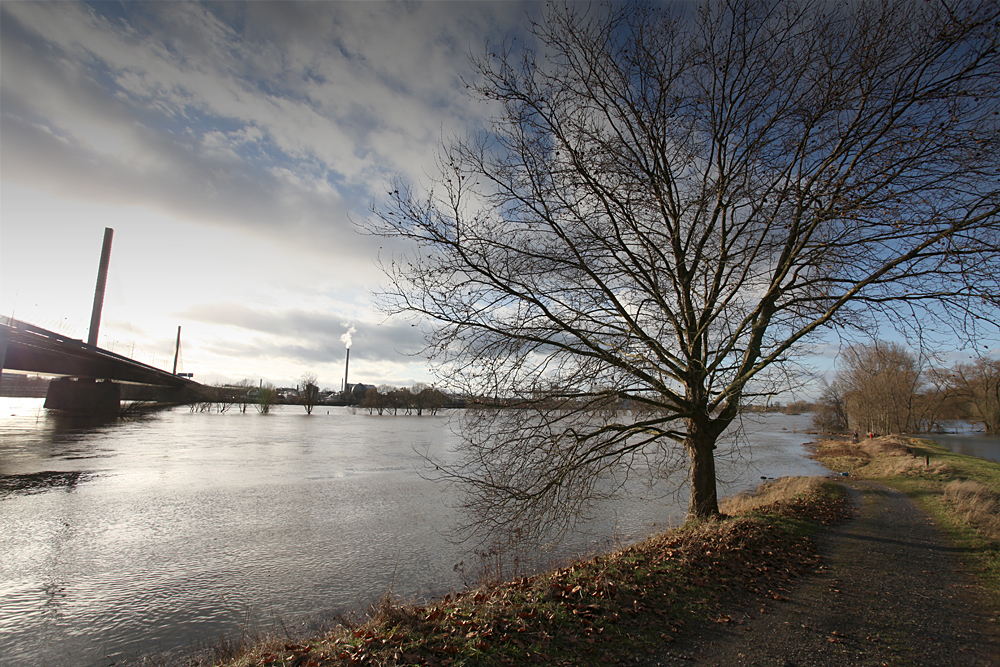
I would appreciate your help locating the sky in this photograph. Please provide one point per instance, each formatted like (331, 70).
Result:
(232, 147)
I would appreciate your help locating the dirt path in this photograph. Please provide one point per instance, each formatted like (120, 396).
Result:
(891, 592)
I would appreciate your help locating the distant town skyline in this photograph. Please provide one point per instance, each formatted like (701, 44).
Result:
(231, 146)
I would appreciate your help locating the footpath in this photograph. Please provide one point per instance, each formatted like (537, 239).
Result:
(891, 591)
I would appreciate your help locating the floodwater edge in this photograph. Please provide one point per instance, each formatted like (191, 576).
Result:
(590, 610)
(628, 601)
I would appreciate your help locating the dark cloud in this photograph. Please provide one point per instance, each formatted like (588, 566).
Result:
(282, 119)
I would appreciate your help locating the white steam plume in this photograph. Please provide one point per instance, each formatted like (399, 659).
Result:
(346, 338)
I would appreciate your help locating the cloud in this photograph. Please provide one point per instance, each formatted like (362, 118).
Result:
(307, 336)
(219, 127)
(270, 116)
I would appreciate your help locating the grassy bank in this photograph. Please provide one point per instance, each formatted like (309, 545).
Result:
(598, 611)
(961, 493)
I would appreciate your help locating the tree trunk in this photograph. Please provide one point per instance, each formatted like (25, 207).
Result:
(704, 501)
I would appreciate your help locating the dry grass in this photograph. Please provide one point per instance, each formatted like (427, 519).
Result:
(885, 456)
(909, 466)
(888, 445)
(976, 504)
(770, 493)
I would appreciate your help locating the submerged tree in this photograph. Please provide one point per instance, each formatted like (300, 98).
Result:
(669, 203)
(266, 397)
(308, 392)
(243, 393)
(978, 385)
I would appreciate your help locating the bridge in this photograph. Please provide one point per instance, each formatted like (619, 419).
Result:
(89, 380)
(25, 348)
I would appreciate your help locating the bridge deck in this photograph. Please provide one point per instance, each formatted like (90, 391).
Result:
(33, 349)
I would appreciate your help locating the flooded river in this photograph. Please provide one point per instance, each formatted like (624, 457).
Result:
(157, 534)
(962, 440)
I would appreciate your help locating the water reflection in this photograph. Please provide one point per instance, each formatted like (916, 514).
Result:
(981, 445)
(42, 481)
(185, 524)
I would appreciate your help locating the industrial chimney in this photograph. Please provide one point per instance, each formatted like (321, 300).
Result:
(347, 365)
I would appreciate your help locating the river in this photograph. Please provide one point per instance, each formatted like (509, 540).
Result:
(966, 439)
(157, 534)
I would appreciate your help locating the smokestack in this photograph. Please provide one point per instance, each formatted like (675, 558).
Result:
(347, 365)
(346, 340)
(102, 281)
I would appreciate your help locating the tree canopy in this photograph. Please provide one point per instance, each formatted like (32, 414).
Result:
(669, 203)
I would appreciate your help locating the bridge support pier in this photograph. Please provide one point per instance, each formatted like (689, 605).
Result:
(4, 338)
(84, 396)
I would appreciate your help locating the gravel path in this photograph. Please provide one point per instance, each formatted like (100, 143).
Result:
(891, 592)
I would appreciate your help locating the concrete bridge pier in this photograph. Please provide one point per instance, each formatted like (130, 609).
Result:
(84, 396)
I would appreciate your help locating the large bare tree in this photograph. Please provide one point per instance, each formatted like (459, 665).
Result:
(669, 203)
(881, 383)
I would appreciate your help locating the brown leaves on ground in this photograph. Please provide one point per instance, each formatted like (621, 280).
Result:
(597, 611)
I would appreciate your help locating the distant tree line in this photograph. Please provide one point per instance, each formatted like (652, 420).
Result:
(387, 399)
(239, 395)
(883, 388)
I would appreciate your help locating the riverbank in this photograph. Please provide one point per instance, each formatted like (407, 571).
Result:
(730, 591)
(891, 591)
(910, 581)
(632, 603)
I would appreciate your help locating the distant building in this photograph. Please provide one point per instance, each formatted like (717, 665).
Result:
(359, 390)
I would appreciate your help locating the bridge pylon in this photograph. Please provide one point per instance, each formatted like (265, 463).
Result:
(84, 396)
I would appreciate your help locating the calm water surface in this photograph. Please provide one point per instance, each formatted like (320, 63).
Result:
(156, 534)
(966, 439)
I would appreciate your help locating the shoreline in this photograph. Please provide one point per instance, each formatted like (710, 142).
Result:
(635, 600)
(649, 599)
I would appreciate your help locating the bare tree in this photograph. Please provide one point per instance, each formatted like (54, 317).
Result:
(978, 384)
(403, 399)
(419, 395)
(881, 382)
(375, 401)
(308, 392)
(831, 409)
(433, 400)
(426, 398)
(242, 394)
(223, 396)
(669, 203)
(936, 401)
